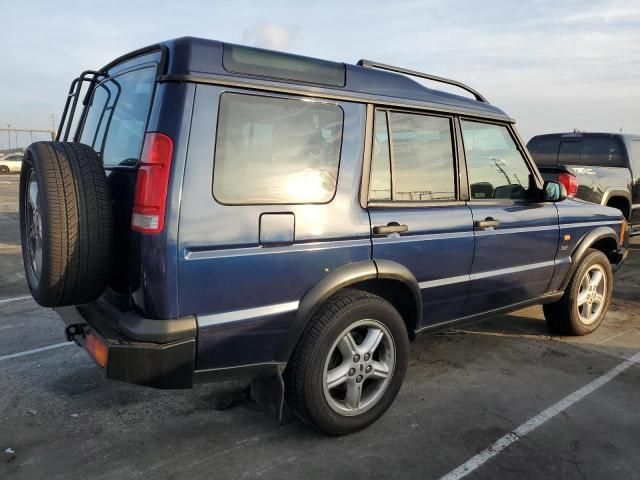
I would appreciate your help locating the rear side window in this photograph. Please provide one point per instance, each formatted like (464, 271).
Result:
(594, 151)
(276, 150)
(544, 150)
(496, 168)
(117, 117)
(634, 156)
(417, 164)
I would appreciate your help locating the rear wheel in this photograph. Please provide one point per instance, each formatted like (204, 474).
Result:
(65, 223)
(586, 300)
(349, 364)
(4, 169)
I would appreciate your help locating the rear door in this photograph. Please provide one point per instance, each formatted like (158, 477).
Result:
(516, 237)
(418, 218)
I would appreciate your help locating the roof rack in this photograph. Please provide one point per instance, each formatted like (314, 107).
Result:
(414, 73)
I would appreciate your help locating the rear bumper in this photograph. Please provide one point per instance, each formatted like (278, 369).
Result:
(160, 354)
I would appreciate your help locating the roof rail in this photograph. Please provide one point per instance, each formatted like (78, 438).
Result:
(414, 73)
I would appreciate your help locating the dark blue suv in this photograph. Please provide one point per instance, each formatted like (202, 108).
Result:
(210, 211)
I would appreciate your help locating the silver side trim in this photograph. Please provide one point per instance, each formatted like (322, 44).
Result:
(589, 224)
(481, 275)
(248, 313)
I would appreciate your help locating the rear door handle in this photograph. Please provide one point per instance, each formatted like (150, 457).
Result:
(488, 222)
(391, 227)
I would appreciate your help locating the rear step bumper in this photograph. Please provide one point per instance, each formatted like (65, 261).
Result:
(159, 354)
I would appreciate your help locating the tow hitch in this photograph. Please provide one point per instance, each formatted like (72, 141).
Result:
(76, 329)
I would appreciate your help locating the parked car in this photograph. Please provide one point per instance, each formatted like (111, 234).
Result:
(600, 168)
(11, 164)
(225, 211)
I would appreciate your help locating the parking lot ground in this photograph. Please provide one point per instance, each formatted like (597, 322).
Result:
(465, 389)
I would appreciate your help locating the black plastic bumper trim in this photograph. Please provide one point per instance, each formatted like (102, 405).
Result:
(169, 365)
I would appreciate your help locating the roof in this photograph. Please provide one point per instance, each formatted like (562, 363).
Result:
(201, 60)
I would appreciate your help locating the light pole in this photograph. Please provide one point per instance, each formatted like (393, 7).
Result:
(9, 134)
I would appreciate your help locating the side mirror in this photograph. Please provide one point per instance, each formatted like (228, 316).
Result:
(553, 191)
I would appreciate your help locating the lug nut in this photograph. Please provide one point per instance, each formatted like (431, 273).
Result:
(366, 357)
(356, 358)
(352, 372)
(359, 378)
(368, 370)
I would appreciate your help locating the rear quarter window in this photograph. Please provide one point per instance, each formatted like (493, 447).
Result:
(116, 121)
(273, 150)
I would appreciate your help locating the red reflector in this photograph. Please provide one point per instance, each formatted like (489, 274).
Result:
(570, 182)
(96, 349)
(150, 199)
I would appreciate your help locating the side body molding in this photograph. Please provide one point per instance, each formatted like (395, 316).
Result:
(587, 242)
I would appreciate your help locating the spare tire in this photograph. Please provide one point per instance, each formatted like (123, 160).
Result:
(66, 224)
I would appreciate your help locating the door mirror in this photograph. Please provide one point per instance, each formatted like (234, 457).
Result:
(553, 192)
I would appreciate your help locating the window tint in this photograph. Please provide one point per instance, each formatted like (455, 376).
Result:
(276, 150)
(544, 149)
(422, 157)
(122, 103)
(380, 184)
(495, 167)
(421, 152)
(603, 151)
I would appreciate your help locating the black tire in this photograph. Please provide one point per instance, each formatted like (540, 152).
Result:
(4, 170)
(75, 223)
(304, 375)
(563, 316)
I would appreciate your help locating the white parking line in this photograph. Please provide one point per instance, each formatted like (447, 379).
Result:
(15, 299)
(515, 435)
(36, 350)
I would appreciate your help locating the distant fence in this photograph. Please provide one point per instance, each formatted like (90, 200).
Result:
(18, 138)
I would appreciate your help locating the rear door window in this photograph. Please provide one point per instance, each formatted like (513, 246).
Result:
(272, 150)
(117, 117)
(417, 164)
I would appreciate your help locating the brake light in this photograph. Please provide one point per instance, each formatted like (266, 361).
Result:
(150, 199)
(96, 349)
(570, 182)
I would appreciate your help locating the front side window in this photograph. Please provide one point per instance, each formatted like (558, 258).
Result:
(417, 164)
(276, 150)
(117, 117)
(496, 168)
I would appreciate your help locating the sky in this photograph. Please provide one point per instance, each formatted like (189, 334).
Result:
(551, 65)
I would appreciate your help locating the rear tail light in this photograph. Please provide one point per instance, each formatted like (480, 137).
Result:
(150, 199)
(570, 182)
(96, 349)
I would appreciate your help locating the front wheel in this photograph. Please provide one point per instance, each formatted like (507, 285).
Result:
(586, 300)
(349, 363)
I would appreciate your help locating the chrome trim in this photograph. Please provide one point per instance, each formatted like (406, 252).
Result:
(246, 314)
(444, 281)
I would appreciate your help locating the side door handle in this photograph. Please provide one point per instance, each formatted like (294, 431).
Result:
(391, 227)
(488, 222)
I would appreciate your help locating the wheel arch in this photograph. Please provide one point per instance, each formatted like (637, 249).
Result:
(620, 200)
(603, 238)
(389, 280)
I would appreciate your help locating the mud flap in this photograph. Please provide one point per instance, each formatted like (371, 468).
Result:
(267, 390)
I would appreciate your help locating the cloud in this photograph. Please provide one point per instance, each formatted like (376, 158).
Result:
(269, 35)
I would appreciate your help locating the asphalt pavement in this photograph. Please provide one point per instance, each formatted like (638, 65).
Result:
(503, 398)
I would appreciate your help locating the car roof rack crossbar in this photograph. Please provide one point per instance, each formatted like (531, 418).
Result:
(383, 66)
(72, 101)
